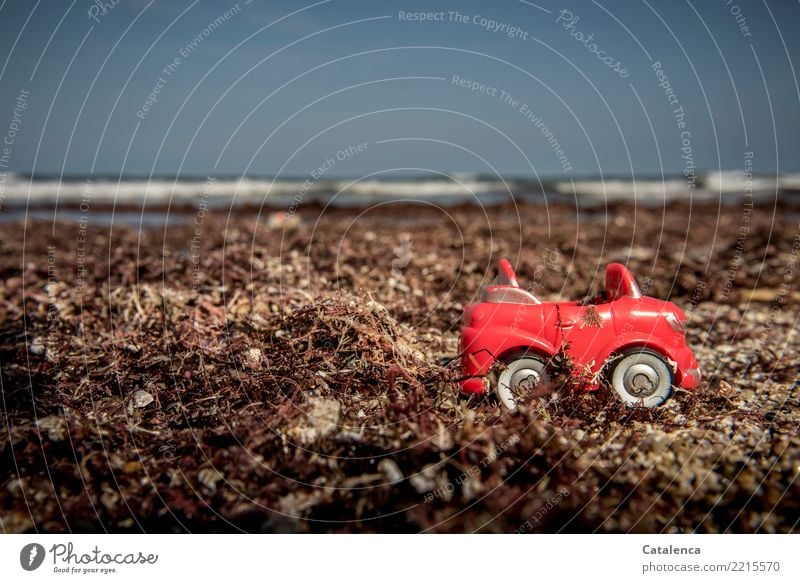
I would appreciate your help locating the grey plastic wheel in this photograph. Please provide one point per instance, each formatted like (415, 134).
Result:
(519, 379)
(642, 378)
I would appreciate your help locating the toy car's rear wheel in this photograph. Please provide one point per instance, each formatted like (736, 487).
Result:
(519, 379)
(642, 378)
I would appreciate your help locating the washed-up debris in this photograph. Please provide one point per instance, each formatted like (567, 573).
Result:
(274, 378)
(142, 399)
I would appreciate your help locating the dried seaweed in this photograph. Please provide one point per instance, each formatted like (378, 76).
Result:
(302, 380)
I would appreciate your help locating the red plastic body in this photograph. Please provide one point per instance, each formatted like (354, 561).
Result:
(510, 320)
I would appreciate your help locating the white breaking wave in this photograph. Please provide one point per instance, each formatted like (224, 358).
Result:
(736, 181)
(790, 182)
(426, 188)
(242, 191)
(153, 191)
(711, 185)
(627, 190)
(16, 190)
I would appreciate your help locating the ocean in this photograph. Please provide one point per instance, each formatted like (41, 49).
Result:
(138, 200)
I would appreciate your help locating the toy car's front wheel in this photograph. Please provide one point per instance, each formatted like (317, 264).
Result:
(519, 379)
(642, 377)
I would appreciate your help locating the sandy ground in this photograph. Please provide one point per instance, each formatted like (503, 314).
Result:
(229, 375)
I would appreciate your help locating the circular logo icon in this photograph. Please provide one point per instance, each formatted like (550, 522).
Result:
(31, 556)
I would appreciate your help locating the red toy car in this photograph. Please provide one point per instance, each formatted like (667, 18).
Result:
(636, 343)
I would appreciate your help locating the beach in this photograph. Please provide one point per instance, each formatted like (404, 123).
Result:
(246, 370)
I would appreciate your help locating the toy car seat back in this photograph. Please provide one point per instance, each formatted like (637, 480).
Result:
(620, 283)
(506, 288)
(506, 275)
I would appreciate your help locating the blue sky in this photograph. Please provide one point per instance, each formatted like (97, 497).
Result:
(280, 87)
